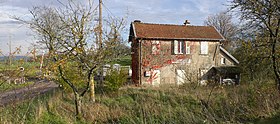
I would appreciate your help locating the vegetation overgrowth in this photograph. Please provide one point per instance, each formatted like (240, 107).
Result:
(10, 73)
(6, 87)
(256, 100)
(246, 103)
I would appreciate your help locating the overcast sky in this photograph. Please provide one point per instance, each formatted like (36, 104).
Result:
(150, 11)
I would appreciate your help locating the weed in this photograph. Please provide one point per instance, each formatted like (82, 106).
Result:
(227, 104)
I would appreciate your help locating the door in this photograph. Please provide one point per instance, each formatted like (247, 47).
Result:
(156, 77)
(181, 76)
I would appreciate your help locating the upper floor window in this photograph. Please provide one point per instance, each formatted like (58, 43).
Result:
(203, 47)
(155, 47)
(178, 47)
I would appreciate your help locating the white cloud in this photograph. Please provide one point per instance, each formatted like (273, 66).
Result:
(167, 11)
(31, 3)
(151, 11)
(11, 29)
(18, 34)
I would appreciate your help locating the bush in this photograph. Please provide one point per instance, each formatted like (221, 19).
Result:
(114, 80)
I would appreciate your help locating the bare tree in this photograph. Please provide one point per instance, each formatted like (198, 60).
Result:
(70, 36)
(188, 75)
(223, 23)
(263, 15)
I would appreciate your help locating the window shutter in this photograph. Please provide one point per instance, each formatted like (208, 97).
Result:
(175, 47)
(183, 47)
(203, 47)
(188, 48)
(155, 47)
(172, 48)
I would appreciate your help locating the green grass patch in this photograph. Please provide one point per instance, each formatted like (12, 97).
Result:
(4, 86)
(50, 118)
(123, 61)
(30, 68)
(272, 120)
(35, 110)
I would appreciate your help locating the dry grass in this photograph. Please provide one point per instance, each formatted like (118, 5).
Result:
(168, 104)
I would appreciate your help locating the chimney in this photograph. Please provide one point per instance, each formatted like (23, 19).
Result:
(137, 21)
(187, 22)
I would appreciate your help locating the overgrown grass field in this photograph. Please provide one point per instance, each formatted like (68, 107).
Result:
(246, 103)
(8, 73)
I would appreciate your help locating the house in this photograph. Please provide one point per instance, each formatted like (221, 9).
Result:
(176, 54)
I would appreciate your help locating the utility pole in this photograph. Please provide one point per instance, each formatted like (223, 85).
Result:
(100, 23)
(100, 41)
(92, 90)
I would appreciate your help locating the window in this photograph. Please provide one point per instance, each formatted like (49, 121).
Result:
(223, 60)
(155, 47)
(203, 47)
(188, 48)
(203, 71)
(178, 47)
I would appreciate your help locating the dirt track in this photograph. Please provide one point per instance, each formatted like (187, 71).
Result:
(31, 91)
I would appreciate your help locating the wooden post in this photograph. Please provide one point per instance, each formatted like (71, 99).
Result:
(42, 60)
(92, 90)
(100, 23)
(100, 41)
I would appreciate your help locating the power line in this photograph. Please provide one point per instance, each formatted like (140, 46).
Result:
(110, 13)
(108, 10)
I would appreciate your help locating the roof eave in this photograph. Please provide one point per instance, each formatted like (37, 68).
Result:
(235, 69)
(220, 33)
(229, 55)
(134, 32)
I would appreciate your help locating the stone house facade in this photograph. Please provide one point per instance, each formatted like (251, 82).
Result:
(173, 54)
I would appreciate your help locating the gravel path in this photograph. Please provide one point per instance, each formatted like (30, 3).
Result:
(25, 93)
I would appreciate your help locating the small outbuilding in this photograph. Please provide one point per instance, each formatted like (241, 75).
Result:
(224, 75)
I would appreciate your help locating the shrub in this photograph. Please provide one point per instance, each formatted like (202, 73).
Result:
(114, 80)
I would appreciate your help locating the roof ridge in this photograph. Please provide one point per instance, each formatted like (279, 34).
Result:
(171, 24)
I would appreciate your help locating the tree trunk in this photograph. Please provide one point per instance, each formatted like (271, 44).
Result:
(78, 105)
(274, 63)
(92, 91)
(278, 84)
